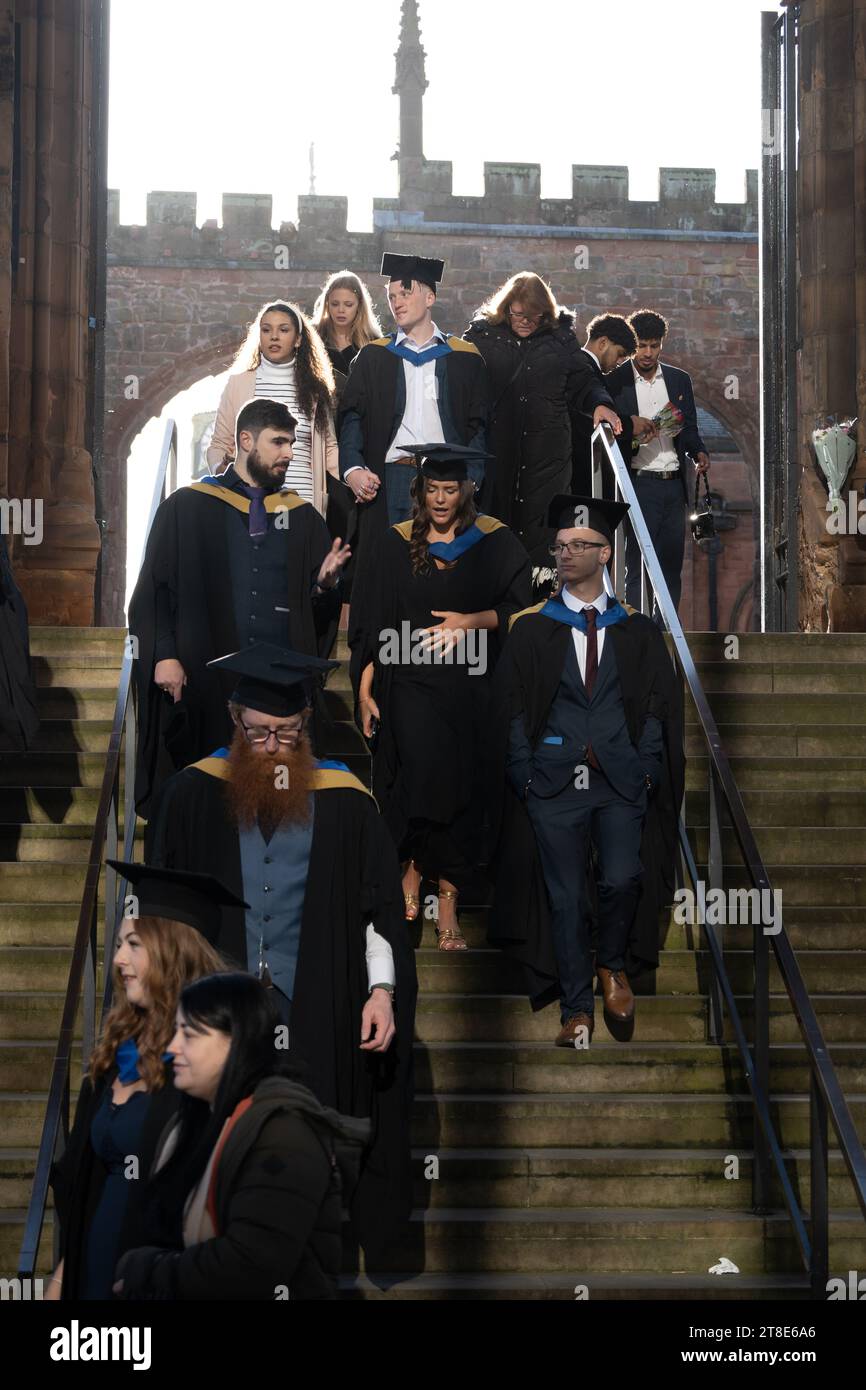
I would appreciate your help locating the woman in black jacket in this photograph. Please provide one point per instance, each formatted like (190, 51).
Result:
(538, 377)
(127, 1096)
(253, 1195)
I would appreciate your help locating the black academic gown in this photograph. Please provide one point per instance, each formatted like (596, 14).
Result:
(427, 769)
(372, 404)
(526, 681)
(353, 879)
(77, 1178)
(19, 718)
(187, 556)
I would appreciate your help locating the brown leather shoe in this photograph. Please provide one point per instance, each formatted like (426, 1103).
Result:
(576, 1032)
(618, 998)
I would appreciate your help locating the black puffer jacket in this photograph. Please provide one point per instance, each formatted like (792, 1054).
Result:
(535, 384)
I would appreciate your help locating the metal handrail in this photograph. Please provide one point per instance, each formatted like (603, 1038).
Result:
(826, 1099)
(104, 843)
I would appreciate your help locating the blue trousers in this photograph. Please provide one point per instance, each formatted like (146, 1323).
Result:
(664, 512)
(398, 480)
(565, 826)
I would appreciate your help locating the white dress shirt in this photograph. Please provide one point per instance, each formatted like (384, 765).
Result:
(659, 455)
(578, 637)
(421, 423)
(380, 959)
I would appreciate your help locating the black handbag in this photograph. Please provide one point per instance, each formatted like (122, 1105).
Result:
(701, 520)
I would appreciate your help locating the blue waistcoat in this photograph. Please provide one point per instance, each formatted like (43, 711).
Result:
(275, 882)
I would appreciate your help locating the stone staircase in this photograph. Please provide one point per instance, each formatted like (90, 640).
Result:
(539, 1171)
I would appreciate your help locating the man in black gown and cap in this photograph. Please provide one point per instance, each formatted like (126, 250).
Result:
(415, 384)
(587, 756)
(229, 561)
(302, 842)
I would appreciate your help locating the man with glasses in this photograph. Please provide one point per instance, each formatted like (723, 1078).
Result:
(588, 743)
(417, 384)
(301, 841)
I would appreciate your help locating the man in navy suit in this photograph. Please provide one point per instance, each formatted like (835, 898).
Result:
(660, 470)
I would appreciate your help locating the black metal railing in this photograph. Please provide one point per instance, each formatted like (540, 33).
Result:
(81, 988)
(826, 1100)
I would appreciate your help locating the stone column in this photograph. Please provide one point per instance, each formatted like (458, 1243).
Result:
(46, 369)
(832, 252)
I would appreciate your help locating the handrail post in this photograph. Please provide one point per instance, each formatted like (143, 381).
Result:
(819, 1191)
(716, 877)
(761, 1057)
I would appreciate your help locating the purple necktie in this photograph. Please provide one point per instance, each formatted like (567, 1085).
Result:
(591, 667)
(258, 515)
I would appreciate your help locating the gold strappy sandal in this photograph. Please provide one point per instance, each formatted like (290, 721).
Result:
(444, 935)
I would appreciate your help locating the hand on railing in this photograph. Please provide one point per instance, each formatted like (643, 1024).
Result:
(603, 415)
(170, 676)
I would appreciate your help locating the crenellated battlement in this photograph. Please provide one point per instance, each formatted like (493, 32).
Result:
(512, 198)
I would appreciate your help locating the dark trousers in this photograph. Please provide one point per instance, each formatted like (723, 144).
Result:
(565, 826)
(398, 480)
(663, 508)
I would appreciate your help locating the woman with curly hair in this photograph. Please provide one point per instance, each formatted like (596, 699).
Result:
(283, 358)
(538, 380)
(431, 603)
(127, 1096)
(345, 318)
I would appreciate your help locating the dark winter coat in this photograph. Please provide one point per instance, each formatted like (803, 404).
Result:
(535, 385)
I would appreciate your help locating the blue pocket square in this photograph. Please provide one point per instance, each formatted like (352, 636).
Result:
(552, 738)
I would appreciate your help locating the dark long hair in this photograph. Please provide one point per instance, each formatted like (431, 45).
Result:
(313, 370)
(239, 1005)
(419, 547)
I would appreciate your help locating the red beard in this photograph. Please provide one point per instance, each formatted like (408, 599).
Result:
(269, 790)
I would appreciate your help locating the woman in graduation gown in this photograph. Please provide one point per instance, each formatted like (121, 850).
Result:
(430, 604)
(128, 1097)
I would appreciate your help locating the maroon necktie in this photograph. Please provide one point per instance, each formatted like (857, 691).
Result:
(591, 670)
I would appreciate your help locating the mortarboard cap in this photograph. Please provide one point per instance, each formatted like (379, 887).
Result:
(197, 899)
(271, 679)
(407, 268)
(444, 463)
(595, 512)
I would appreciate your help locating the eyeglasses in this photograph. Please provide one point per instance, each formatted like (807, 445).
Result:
(575, 547)
(525, 318)
(256, 734)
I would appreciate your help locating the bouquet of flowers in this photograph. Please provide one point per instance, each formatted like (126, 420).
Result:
(835, 450)
(669, 420)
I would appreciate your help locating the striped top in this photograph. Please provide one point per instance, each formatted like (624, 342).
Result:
(277, 380)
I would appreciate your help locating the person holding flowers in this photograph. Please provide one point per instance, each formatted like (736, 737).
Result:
(662, 474)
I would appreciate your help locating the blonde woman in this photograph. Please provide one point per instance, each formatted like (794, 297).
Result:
(127, 1097)
(345, 319)
(284, 358)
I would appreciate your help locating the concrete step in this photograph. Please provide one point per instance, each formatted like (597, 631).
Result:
(771, 709)
(98, 671)
(817, 807)
(38, 968)
(680, 972)
(58, 641)
(66, 843)
(597, 1121)
(781, 677)
(57, 806)
(758, 772)
(767, 648)
(11, 1235)
(515, 1068)
(616, 1241)
(790, 844)
(526, 1286)
(34, 1014)
(779, 740)
(663, 1018)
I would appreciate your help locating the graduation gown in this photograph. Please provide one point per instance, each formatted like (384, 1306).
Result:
(527, 680)
(19, 718)
(78, 1177)
(427, 772)
(353, 879)
(374, 399)
(187, 557)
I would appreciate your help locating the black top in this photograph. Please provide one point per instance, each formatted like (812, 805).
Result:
(342, 358)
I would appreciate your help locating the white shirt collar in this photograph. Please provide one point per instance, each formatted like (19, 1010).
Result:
(419, 347)
(599, 603)
(649, 380)
(589, 352)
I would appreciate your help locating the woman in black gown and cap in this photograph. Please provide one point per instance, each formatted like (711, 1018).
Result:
(430, 603)
(127, 1096)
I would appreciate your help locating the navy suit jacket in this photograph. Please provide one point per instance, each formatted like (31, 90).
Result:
(620, 384)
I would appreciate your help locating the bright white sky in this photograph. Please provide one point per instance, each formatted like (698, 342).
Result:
(215, 97)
